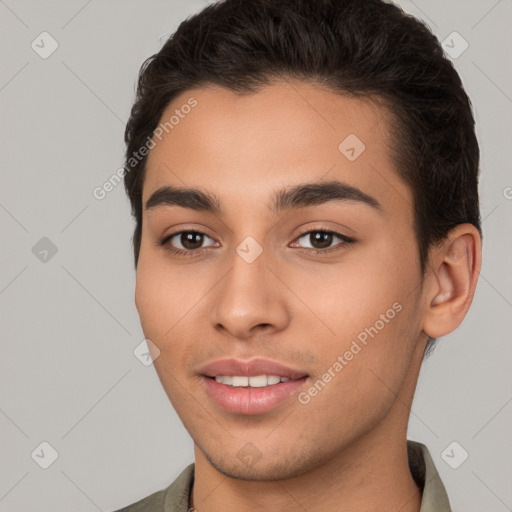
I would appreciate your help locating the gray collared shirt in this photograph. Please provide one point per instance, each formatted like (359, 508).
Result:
(176, 497)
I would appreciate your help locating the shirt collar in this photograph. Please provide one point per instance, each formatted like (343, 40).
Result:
(426, 476)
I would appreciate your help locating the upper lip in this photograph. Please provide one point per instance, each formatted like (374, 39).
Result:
(250, 368)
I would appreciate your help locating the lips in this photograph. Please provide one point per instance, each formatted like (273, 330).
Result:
(250, 368)
(229, 383)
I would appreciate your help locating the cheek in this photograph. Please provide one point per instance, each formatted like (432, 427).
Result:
(163, 295)
(158, 299)
(149, 300)
(166, 314)
(170, 302)
(342, 300)
(364, 311)
(363, 365)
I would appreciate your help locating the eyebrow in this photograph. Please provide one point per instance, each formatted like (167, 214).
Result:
(298, 196)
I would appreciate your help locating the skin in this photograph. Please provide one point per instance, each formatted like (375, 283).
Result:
(348, 444)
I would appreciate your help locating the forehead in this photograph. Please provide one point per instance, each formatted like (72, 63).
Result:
(244, 147)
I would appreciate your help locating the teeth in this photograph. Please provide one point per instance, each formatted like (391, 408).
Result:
(273, 379)
(224, 379)
(240, 381)
(257, 381)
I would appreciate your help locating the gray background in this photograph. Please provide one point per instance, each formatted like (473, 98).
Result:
(68, 375)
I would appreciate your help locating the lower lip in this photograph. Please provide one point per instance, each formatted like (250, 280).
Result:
(246, 400)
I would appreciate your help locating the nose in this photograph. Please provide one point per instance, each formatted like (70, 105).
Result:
(250, 299)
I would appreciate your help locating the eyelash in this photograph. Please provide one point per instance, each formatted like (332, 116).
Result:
(346, 241)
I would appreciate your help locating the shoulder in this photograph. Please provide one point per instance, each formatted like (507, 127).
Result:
(152, 503)
(424, 472)
(174, 498)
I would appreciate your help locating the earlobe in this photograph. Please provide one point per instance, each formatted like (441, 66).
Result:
(452, 280)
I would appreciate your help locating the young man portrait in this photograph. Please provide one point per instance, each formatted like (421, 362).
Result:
(303, 176)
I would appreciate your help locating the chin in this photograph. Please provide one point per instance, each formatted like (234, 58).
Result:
(263, 468)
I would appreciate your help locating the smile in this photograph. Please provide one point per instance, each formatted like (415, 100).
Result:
(257, 381)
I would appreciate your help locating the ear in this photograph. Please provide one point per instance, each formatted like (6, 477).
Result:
(451, 282)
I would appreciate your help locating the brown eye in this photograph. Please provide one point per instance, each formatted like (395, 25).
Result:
(186, 241)
(322, 240)
(191, 240)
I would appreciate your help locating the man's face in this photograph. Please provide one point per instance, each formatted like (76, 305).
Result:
(280, 285)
